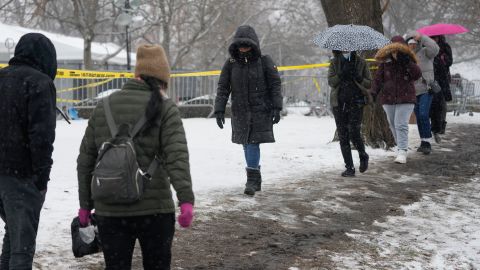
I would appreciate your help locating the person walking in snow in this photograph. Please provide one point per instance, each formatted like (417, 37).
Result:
(441, 65)
(394, 86)
(425, 49)
(254, 83)
(350, 80)
(150, 219)
(27, 133)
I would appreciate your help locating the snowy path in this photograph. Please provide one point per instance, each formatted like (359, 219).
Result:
(303, 153)
(422, 216)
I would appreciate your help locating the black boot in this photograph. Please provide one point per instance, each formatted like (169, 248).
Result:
(427, 148)
(349, 172)
(254, 179)
(363, 162)
(258, 186)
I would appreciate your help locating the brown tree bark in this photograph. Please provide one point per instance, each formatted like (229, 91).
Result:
(375, 126)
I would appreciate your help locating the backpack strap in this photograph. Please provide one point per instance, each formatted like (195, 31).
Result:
(152, 168)
(108, 114)
(138, 126)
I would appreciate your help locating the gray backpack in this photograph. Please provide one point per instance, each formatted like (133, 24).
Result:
(117, 177)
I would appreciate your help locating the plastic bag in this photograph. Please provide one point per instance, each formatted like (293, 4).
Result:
(85, 241)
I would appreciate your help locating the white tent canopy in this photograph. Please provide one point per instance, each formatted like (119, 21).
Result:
(69, 49)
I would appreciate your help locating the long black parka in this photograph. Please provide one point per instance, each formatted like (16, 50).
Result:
(254, 83)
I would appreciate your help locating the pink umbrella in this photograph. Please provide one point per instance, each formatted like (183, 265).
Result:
(442, 29)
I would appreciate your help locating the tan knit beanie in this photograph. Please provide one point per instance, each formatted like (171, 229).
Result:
(152, 61)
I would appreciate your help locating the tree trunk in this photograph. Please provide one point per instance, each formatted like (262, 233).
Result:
(375, 126)
(87, 54)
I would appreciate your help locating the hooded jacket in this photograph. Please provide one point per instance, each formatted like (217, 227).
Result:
(254, 84)
(27, 109)
(426, 51)
(394, 81)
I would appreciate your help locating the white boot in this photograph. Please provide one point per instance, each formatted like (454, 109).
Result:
(401, 157)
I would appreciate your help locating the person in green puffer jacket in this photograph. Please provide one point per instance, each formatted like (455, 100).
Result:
(151, 220)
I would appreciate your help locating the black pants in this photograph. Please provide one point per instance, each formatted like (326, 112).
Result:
(154, 232)
(20, 205)
(438, 113)
(348, 118)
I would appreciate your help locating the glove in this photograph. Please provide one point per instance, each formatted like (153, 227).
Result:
(220, 119)
(186, 215)
(276, 116)
(84, 217)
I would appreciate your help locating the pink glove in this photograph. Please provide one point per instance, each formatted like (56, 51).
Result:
(84, 217)
(186, 215)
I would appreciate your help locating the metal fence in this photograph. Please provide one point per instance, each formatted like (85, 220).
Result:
(299, 90)
(465, 96)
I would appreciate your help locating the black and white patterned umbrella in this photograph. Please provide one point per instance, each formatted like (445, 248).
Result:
(350, 38)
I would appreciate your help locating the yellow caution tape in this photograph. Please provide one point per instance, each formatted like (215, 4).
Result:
(85, 74)
(67, 100)
(317, 85)
(90, 74)
(95, 84)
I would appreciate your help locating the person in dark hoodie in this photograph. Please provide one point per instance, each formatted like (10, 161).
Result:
(254, 83)
(27, 133)
(350, 80)
(441, 68)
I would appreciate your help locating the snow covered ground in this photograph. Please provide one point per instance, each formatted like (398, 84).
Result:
(303, 147)
(442, 231)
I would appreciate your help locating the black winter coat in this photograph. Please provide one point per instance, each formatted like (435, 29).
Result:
(254, 83)
(441, 65)
(27, 110)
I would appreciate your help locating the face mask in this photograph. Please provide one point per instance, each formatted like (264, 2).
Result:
(245, 54)
(346, 56)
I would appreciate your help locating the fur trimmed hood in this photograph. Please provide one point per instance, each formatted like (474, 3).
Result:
(385, 53)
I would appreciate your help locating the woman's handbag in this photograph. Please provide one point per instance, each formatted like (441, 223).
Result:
(434, 87)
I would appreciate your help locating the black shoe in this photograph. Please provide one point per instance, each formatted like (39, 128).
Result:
(425, 148)
(437, 137)
(363, 162)
(420, 148)
(349, 172)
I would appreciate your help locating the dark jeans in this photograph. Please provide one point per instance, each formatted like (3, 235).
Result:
(154, 232)
(252, 155)
(438, 112)
(20, 205)
(422, 112)
(348, 118)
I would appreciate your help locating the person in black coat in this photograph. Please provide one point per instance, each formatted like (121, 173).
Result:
(441, 65)
(27, 132)
(350, 80)
(254, 83)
